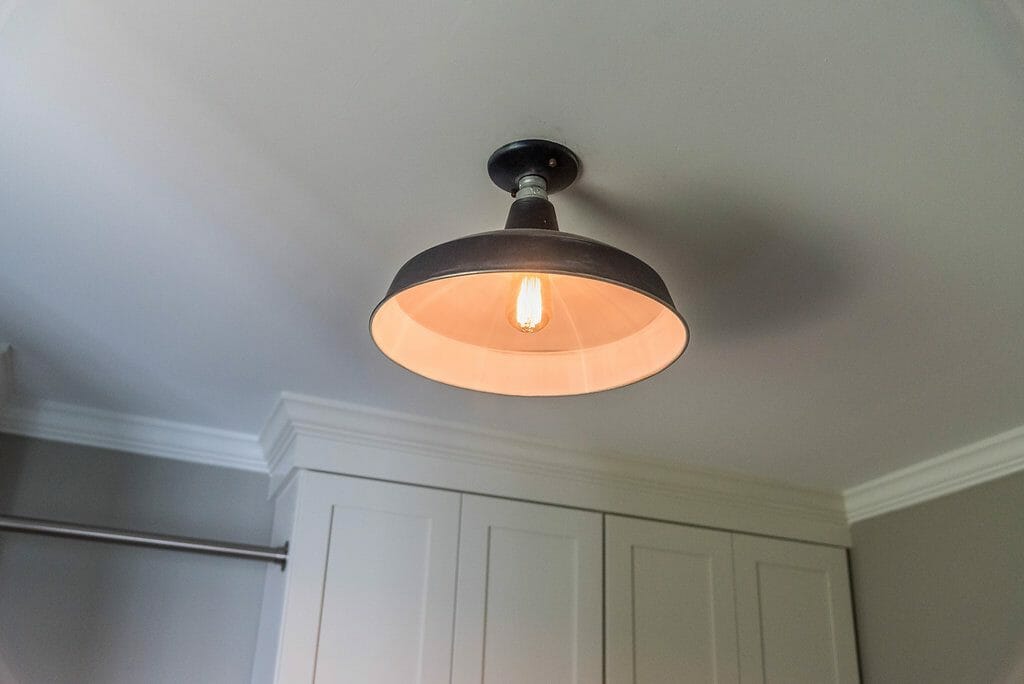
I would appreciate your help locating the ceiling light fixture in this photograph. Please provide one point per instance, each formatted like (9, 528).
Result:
(529, 310)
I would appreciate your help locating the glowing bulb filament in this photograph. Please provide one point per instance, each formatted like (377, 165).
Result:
(531, 310)
(529, 307)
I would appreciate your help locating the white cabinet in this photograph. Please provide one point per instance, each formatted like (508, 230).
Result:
(529, 594)
(669, 604)
(389, 586)
(370, 589)
(395, 583)
(794, 614)
(671, 615)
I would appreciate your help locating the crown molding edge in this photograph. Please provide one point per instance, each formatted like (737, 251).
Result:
(74, 424)
(332, 436)
(985, 460)
(297, 419)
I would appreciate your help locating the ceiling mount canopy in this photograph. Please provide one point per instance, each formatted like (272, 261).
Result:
(529, 310)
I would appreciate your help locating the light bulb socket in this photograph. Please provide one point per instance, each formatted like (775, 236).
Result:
(532, 186)
(531, 213)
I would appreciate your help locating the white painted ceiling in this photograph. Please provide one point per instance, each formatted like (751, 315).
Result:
(200, 204)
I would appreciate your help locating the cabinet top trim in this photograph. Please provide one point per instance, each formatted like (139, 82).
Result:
(312, 433)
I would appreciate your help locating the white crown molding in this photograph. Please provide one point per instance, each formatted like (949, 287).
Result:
(951, 472)
(316, 434)
(136, 434)
(319, 434)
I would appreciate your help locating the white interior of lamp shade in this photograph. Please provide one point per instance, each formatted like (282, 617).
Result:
(457, 330)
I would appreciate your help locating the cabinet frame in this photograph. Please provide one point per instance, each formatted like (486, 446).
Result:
(291, 619)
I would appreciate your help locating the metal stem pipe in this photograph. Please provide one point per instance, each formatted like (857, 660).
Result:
(111, 535)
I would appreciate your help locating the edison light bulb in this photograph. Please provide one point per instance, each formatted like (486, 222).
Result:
(530, 308)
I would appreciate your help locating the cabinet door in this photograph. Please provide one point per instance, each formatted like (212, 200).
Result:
(669, 612)
(794, 614)
(529, 594)
(372, 585)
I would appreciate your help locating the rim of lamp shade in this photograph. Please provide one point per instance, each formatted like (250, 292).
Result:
(624, 282)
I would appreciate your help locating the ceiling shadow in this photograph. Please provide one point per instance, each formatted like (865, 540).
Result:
(736, 267)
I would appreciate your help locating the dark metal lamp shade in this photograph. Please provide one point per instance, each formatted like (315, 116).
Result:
(529, 310)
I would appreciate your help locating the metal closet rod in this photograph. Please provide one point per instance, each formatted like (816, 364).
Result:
(51, 528)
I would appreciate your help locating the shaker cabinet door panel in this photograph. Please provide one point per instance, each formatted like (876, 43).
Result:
(389, 585)
(669, 612)
(529, 594)
(794, 614)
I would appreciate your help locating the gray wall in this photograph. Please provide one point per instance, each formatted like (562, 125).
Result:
(73, 611)
(939, 589)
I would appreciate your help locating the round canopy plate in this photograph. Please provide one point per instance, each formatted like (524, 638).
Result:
(557, 164)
